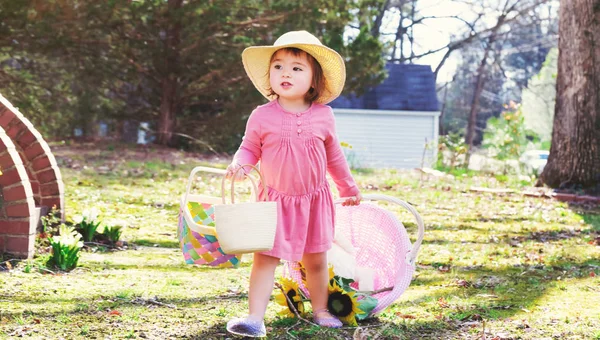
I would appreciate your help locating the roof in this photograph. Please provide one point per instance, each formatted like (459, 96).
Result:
(408, 87)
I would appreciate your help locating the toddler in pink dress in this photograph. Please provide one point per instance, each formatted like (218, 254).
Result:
(293, 137)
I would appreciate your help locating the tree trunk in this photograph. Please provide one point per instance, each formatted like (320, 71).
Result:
(376, 29)
(169, 84)
(411, 37)
(442, 111)
(166, 122)
(575, 151)
(479, 88)
(400, 34)
(480, 81)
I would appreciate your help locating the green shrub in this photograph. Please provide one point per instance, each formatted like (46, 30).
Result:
(506, 136)
(453, 147)
(65, 248)
(51, 221)
(113, 234)
(87, 224)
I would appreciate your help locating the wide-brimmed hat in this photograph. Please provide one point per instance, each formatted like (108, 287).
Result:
(256, 61)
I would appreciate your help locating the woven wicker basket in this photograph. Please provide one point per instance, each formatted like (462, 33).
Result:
(246, 227)
(196, 230)
(382, 245)
(210, 228)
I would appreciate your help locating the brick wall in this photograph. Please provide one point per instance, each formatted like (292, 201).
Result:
(30, 182)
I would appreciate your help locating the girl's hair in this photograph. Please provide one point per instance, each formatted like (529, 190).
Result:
(318, 80)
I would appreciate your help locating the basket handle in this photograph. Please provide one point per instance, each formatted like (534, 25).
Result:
(411, 256)
(199, 228)
(262, 180)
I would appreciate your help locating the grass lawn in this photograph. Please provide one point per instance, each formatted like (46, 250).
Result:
(492, 266)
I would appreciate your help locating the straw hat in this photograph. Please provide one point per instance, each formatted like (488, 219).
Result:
(256, 63)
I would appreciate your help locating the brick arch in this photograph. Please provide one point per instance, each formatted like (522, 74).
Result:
(31, 181)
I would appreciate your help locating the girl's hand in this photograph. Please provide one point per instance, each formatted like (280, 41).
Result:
(355, 200)
(232, 168)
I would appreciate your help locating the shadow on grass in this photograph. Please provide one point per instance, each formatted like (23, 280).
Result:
(592, 219)
(546, 236)
(590, 216)
(214, 332)
(496, 219)
(163, 243)
(93, 304)
(439, 226)
(468, 294)
(373, 328)
(182, 266)
(500, 293)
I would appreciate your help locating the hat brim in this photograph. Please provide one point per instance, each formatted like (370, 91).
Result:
(256, 61)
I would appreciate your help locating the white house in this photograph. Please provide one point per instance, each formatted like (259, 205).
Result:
(394, 125)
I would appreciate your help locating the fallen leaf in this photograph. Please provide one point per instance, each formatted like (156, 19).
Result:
(443, 303)
(405, 316)
(114, 312)
(444, 269)
(491, 296)
(463, 283)
(20, 331)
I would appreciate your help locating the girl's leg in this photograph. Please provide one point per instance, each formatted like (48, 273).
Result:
(261, 286)
(317, 279)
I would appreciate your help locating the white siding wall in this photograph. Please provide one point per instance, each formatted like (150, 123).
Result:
(387, 139)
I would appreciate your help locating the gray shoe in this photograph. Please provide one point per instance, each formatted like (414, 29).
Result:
(247, 327)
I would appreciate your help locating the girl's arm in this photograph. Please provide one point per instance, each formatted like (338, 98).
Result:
(336, 163)
(249, 151)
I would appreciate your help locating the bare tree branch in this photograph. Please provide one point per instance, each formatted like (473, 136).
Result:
(375, 30)
(483, 34)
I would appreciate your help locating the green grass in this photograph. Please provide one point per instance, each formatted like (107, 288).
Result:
(511, 266)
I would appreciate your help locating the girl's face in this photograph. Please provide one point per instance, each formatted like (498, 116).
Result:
(290, 76)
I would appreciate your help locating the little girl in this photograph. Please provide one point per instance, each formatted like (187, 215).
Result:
(293, 137)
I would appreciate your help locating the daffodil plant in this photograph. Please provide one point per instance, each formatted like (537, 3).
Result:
(345, 302)
(65, 248)
(88, 223)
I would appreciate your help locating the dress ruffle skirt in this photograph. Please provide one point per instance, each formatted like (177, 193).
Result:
(311, 230)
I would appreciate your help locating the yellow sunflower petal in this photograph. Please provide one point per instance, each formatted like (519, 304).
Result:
(290, 287)
(280, 299)
(343, 296)
(349, 320)
(286, 312)
(288, 284)
(300, 307)
(334, 286)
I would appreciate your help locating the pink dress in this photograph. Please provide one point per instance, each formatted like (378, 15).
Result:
(296, 150)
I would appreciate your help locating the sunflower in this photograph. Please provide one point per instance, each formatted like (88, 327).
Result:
(331, 272)
(290, 287)
(343, 304)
